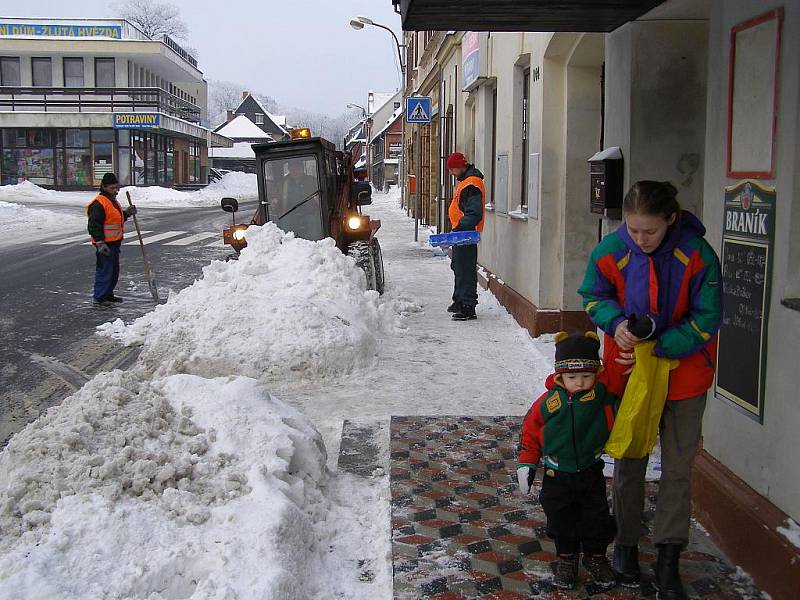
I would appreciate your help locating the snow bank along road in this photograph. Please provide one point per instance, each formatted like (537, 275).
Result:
(207, 469)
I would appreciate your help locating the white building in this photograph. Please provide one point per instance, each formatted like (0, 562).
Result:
(82, 97)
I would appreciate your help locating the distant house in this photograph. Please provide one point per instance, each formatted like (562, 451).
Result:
(240, 157)
(355, 143)
(252, 108)
(386, 141)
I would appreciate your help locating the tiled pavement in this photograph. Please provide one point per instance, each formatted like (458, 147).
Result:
(461, 530)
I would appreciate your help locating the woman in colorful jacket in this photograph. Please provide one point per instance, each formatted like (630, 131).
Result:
(657, 269)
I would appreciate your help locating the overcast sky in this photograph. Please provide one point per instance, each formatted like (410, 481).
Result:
(301, 52)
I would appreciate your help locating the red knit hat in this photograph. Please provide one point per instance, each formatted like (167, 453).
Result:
(457, 161)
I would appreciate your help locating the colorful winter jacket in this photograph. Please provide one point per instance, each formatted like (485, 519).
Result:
(678, 285)
(567, 432)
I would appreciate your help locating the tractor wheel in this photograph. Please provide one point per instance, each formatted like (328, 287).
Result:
(362, 253)
(377, 261)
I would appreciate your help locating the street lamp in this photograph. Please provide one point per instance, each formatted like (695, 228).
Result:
(354, 105)
(358, 23)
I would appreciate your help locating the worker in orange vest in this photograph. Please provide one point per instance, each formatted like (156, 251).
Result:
(106, 225)
(466, 214)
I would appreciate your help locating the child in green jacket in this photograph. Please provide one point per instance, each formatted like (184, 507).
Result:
(565, 432)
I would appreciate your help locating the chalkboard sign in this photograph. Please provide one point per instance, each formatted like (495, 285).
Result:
(747, 245)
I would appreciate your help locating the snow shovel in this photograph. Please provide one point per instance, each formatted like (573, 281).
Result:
(151, 280)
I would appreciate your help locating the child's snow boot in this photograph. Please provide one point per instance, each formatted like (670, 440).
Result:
(668, 579)
(566, 571)
(600, 570)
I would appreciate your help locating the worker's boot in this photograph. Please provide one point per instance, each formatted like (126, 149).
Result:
(466, 313)
(626, 565)
(668, 579)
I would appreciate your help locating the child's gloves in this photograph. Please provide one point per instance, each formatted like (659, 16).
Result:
(642, 327)
(525, 476)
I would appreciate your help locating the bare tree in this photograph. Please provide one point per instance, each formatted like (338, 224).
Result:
(222, 96)
(155, 19)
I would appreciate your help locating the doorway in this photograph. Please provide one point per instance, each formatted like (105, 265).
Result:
(102, 160)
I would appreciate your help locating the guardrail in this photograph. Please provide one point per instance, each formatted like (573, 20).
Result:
(175, 47)
(26, 99)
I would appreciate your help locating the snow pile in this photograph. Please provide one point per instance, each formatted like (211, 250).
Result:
(179, 488)
(288, 308)
(791, 532)
(242, 186)
(22, 224)
(26, 192)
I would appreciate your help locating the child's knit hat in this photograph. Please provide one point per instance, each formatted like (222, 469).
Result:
(577, 353)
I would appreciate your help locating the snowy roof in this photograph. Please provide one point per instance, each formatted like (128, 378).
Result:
(239, 150)
(242, 128)
(378, 100)
(395, 115)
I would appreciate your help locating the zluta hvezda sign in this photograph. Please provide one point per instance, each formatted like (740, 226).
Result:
(58, 30)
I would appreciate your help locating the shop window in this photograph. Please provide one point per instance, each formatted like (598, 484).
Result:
(73, 72)
(9, 71)
(103, 135)
(78, 166)
(41, 72)
(77, 138)
(104, 73)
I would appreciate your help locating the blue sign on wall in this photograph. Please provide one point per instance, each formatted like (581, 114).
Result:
(52, 30)
(136, 120)
(418, 109)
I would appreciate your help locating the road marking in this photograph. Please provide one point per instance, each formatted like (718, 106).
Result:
(156, 238)
(216, 243)
(66, 373)
(198, 237)
(129, 235)
(67, 240)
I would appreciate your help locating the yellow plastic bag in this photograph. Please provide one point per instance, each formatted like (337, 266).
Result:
(636, 426)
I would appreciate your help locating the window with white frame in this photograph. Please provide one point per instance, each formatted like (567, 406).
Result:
(259, 119)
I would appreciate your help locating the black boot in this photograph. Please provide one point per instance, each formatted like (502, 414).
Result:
(626, 565)
(668, 579)
(466, 313)
(454, 307)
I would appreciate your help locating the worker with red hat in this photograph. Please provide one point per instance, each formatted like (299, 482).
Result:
(466, 214)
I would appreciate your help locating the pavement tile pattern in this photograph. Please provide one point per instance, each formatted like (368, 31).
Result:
(461, 529)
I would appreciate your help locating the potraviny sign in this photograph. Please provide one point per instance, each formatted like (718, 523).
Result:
(136, 120)
(747, 248)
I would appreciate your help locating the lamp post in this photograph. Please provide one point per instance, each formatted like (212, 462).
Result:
(354, 105)
(358, 23)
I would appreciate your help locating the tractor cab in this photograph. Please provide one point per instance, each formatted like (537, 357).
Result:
(307, 187)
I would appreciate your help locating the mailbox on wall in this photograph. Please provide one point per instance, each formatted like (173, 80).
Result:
(605, 183)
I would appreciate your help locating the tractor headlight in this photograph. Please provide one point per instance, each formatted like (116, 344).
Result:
(354, 223)
(239, 234)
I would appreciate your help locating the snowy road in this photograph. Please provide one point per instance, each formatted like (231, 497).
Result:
(46, 301)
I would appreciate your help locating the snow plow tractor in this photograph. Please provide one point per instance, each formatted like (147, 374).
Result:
(306, 186)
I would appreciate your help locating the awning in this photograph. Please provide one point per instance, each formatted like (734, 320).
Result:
(517, 15)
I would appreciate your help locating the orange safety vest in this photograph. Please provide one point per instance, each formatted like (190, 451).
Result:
(115, 220)
(455, 211)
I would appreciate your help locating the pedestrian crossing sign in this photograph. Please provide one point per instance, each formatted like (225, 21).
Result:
(418, 109)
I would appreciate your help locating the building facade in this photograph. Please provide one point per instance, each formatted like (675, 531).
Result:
(386, 143)
(82, 97)
(702, 94)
